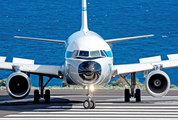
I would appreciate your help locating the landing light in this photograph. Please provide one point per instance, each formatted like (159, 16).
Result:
(126, 87)
(92, 88)
(60, 77)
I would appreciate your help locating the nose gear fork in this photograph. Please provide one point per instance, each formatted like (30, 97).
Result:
(89, 103)
(89, 94)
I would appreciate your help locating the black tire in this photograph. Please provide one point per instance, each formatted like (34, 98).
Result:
(47, 96)
(92, 104)
(127, 95)
(86, 104)
(138, 95)
(36, 96)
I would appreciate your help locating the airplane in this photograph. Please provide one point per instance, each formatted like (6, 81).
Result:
(88, 63)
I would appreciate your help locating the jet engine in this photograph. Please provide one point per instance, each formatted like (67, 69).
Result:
(157, 83)
(18, 85)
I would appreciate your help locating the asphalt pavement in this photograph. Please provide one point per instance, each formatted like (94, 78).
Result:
(68, 104)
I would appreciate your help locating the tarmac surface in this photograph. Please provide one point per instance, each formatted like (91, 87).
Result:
(68, 104)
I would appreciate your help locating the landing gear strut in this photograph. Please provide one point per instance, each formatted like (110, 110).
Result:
(89, 103)
(38, 95)
(127, 94)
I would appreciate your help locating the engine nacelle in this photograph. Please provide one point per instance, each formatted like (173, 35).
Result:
(18, 85)
(157, 83)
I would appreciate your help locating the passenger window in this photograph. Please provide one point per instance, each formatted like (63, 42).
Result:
(84, 53)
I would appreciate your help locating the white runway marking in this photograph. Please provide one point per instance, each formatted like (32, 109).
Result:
(93, 116)
(149, 109)
(108, 110)
(87, 118)
(117, 107)
(122, 112)
(103, 112)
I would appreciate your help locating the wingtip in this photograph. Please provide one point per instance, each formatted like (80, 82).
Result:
(150, 35)
(16, 36)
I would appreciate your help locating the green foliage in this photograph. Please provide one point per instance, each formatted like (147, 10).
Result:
(114, 83)
(64, 84)
(173, 86)
(3, 82)
(121, 83)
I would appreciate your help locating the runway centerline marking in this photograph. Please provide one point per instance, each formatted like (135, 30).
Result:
(88, 110)
(121, 107)
(108, 112)
(85, 118)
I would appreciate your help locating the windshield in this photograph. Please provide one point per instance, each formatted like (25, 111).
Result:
(102, 53)
(84, 53)
(75, 53)
(87, 54)
(95, 54)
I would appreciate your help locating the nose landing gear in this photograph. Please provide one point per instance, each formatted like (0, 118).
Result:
(89, 103)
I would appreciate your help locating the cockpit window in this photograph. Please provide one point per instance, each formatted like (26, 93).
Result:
(106, 53)
(75, 53)
(102, 53)
(84, 53)
(94, 54)
(68, 54)
(88, 54)
(110, 54)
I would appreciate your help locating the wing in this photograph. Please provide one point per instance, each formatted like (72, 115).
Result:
(41, 39)
(26, 65)
(146, 64)
(127, 38)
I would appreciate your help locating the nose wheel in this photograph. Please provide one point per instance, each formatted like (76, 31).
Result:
(89, 103)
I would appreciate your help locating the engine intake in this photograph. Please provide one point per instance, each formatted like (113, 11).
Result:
(157, 83)
(18, 85)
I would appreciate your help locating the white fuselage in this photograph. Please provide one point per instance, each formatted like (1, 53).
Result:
(88, 59)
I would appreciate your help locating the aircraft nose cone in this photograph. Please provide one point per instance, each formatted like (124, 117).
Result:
(89, 70)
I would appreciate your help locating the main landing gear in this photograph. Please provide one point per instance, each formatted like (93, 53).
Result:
(38, 95)
(127, 93)
(89, 103)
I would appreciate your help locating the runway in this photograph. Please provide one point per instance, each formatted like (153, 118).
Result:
(67, 104)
